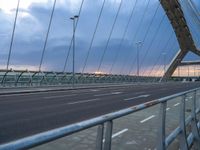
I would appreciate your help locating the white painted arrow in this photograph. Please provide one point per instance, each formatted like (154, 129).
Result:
(132, 98)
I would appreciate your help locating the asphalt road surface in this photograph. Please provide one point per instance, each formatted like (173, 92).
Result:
(26, 114)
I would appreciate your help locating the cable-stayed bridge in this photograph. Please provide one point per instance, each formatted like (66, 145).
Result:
(113, 81)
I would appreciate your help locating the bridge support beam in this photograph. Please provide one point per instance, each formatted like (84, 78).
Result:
(176, 16)
(175, 63)
(188, 63)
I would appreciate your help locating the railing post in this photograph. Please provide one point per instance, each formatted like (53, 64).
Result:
(99, 140)
(108, 135)
(194, 127)
(183, 144)
(161, 127)
(197, 99)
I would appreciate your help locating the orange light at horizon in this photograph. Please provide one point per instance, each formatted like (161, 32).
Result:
(99, 72)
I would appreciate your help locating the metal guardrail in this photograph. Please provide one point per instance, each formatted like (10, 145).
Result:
(105, 127)
(36, 78)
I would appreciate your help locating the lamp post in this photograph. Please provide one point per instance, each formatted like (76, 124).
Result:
(74, 18)
(138, 44)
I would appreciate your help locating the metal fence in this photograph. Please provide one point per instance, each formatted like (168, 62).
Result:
(105, 126)
(11, 78)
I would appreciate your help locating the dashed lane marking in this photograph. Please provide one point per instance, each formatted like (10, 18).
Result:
(94, 90)
(84, 101)
(150, 117)
(132, 98)
(118, 133)
(106, 94)
(58, 96)
(176, 104)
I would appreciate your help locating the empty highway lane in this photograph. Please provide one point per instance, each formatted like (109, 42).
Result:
(25, 114)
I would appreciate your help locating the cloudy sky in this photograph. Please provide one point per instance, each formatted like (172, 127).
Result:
(159, 41)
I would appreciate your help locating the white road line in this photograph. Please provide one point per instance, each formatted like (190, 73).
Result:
(58, 96)
(84, 101)
(93, 90)
(176, 104)
(113, 93)
(139, 92)
(167, 109)
(142, 121)
(34, 93)
(22, 94)
(103, 94)
(118, 133)
(132, 98)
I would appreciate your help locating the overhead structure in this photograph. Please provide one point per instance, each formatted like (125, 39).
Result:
(188, 63)
(176, 16)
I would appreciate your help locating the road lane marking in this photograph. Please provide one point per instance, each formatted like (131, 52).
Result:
(142, 121)
(167, 109)
(118, 133)
(20, 94)
(117, 90)
(112, 93)
(32, 93)
(93, 90)
(115, 93)
(103, 94)
(187, 99)
(84, 101)
(58, 96)
(176, 104)
(132, 98)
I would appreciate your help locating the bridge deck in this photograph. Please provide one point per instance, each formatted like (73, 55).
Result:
(27, 114)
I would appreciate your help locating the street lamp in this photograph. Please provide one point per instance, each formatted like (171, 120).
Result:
(74, 18)
(138, 44)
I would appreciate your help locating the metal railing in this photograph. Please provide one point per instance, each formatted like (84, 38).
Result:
(15, 78)
(105, 127)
